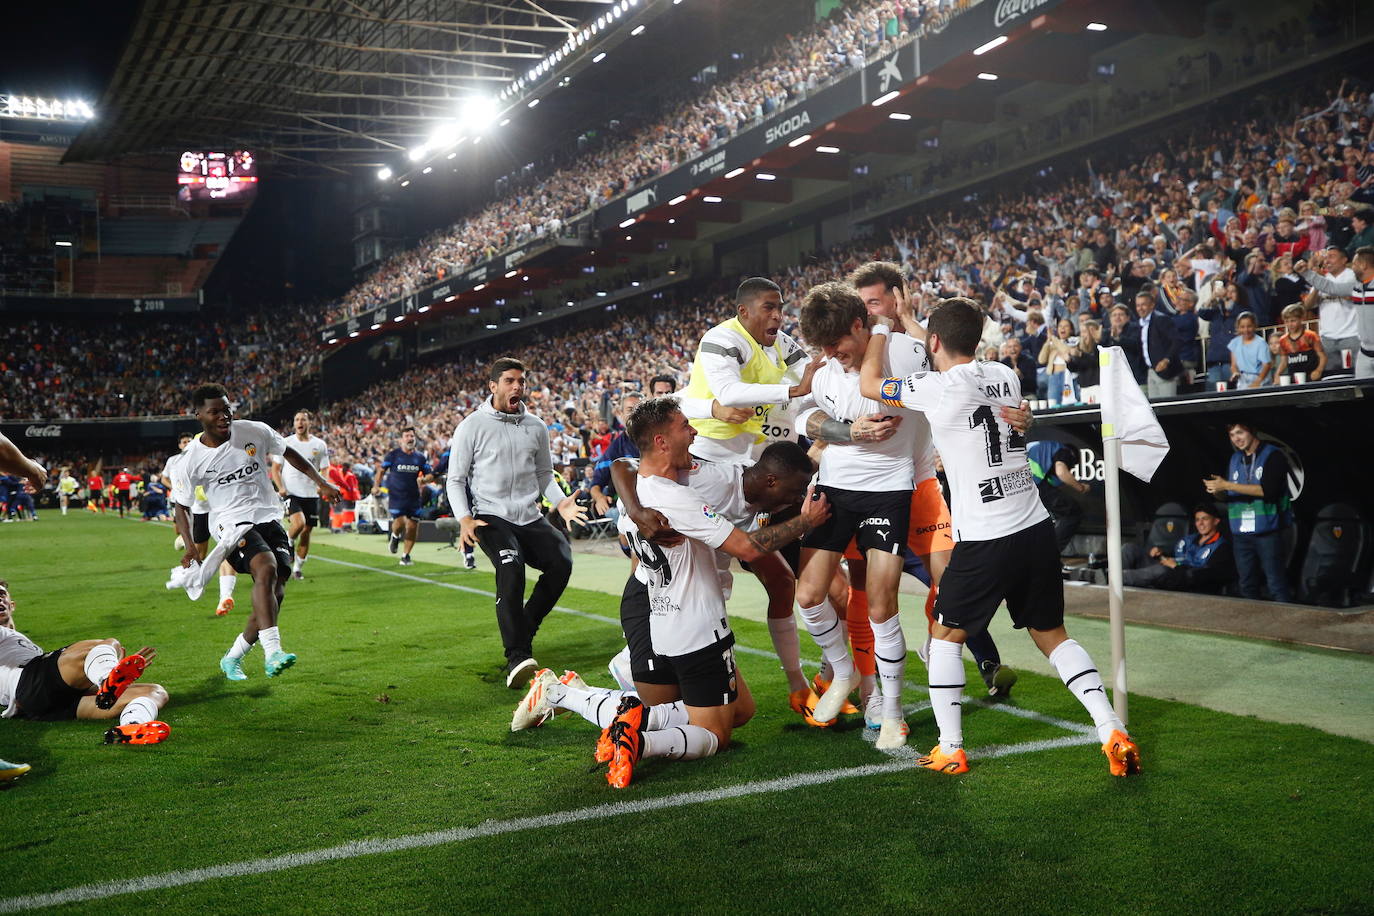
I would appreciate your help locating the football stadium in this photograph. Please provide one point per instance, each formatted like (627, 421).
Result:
(687, 456)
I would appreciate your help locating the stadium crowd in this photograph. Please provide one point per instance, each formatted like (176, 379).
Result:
(62, 369)
(788, 71)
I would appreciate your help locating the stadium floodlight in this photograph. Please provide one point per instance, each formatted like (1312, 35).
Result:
(599, 57)
(399, 318)
(798, 141)
(352, 333)
(491, 327)
(418, 153)
(375, 327)
(711, 199)
(629, 238)
(620, 11)
(333, 340)
(735, 173)
(504, 122)
(383, 173)
(63, 244)
(988, 46)
(424, 308)
(406, 183)
(766, 176)
(627, 223)
(677, 200)
(479, 113)
(451, 155)
(1096, 27)
(987, 76)
(637, 30)
(900, 116)
(426, 170)
(827, 149)
(601, 293)
(510, 273)
(479, 287)
(885, 98)
(531, 103)
(676, 2)
(673, 221)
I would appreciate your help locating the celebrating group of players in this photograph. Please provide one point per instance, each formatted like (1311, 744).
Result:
(721, 476)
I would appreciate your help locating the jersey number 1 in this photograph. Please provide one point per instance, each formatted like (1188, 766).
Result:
(992, 434)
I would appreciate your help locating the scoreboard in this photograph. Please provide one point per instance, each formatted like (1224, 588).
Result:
(217, 176)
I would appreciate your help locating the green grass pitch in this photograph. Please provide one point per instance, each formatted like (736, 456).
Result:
(395, 724)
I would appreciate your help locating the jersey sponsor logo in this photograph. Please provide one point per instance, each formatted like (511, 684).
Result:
(990, 490)
(242, 473)
(875, 521)
(930, 529)
(708, 512)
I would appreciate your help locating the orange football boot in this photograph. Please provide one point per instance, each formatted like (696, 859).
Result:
(1123, 757)
(944, 762)
(129, 669)
(142, 733)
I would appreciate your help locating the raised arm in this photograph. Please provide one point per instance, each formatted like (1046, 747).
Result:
(754, 545)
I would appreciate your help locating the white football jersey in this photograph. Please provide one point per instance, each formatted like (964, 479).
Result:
(990, 481)
(874, 467)
(686, 604)
(15, 652)
(312, 450)
(908, 356)
(234, 476)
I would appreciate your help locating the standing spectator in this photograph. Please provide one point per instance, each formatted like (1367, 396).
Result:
(1054, 356)
(1333, 284)
(1363, 223)
(1084, 360)
(1220, 314)
(1256, 492)
(1158, 347)
(1126, 335)
(1300, 349)
(1186, 332)
(1021, 364)
(1250, 357)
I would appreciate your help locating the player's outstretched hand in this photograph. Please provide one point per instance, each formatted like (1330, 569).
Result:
(730, 414)
(815, 508)
(328, 493)
(1020, 418)
(874, 428)
(906, 311)
(571, 510)
(468, 530)
(654, 527)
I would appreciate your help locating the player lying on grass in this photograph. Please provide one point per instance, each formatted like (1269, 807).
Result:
(690, 635)
(230, 461)
(91, 679)
(737, 493)
(1005, 548)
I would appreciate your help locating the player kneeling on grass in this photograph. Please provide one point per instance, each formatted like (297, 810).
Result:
(1005, 545)
(91, 679)
(229, 461)
(690, 633)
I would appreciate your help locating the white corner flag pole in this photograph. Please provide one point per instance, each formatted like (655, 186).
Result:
(1111, 449)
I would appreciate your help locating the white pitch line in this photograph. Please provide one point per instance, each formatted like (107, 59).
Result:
(1076, 727)
(358, 848)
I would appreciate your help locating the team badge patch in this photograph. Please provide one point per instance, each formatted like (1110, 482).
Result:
(252, 449)
(892, 389)
(708, 512)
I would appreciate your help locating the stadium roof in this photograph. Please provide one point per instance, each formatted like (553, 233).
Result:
(320, 85)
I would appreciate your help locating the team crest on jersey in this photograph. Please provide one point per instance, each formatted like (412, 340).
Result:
(252, 449)
(892, 389)
(708, 512)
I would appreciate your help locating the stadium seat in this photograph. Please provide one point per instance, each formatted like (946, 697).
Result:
(1337, 556)
(1170, 526)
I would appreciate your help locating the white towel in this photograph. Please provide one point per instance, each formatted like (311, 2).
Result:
(195, 577)
(1127, 415)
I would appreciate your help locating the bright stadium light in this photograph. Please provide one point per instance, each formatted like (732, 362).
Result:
(987, 76)
(637, 30)
(988, 46)
(827, 149)
(885, 98)
(63, 244)
(427, 169)
(418, 153)
(352, 333)
(677, 200)
(479, 113)
(375, 327)
(406, 183)
(479, 287)
(900, 116)
(599, 57)
(510, 273)
(383, 173)
(766, 176)
(627, 223)
(531, 103)
(1096, 27)
(451, 155)
(711, 199)
(673, 221)
(333, 340)
(798, 141)
(735, 173)
(399, 318)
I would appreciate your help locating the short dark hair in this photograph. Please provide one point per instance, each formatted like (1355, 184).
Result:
(407, 429)
(1366, 253)
(884, 272)
(505, 364)
(782, 458)
(958, 322)
(648, 418)
(1145, 294)
(672, 382)
(1210, 509)
(185, 435)
(753, 287)
(829, 311)
(207, 392)
(1364, 213)
(1243, 424)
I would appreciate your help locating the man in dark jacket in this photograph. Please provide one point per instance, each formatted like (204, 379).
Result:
(1122, 333)
(1158, 347)
(1201, 562)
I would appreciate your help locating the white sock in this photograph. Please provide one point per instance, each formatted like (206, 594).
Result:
(867, 684)
(682, 742)
(139, 710)
(595, 704)
(889, 651)
(240, 647)
(297, 563)
(100, 661)
(824, 626)
(946, 691)
(783, 630)
(620, 669)
(666, 715)
(270, 638)
(226, 586)
(1076, 669)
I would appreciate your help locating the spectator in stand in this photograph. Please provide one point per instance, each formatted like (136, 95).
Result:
(1256, 494)
(1220, 314)
(1126, 335)
(1186, 333)
(1020, 363)
(1363, 223)
(1158, 347)
(1337, 322)
(1084, 360)
(1201, 562)
(1361, 294)
(1060, 384)
(1034, 337)
(1300, 349)
(1251, 362)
